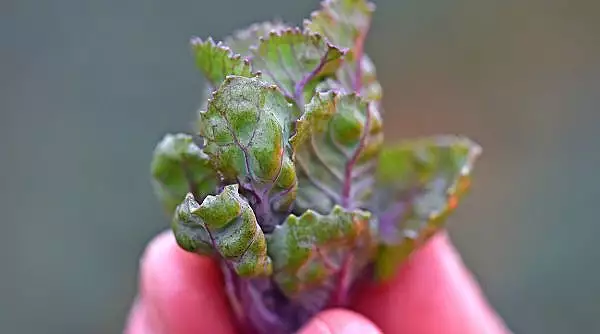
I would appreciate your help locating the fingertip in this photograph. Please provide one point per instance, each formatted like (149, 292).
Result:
(432, 293)
(183, 291)
(136, 321)
(339, 321)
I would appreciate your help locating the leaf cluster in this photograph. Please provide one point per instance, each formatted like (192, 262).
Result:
(287, 179)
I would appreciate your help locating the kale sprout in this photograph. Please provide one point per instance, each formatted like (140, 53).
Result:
(288, 184)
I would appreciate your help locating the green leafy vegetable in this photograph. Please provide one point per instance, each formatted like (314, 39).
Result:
(345, 23)
(217, 61)
(292, 191)
(420, 183)
(242, 41)
(295, 61)
(246, 129)
(336, 144)
(179, 166)
(311, 250)
(224, 224)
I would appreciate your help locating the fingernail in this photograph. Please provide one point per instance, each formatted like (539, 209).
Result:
(339, 322)
(359, 327)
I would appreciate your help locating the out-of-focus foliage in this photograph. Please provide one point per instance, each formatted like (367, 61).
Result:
(419, 183)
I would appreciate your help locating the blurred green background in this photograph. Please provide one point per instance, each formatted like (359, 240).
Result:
(87, 88)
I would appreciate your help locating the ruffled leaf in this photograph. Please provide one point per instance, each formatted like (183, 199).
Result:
(336, 145)
(345, 23)
(320, 252)
(246, 129)
(419, 183)
(371, 89)
(217, 61)
(223, 224)
(296, 62)
(243, 40)
(179, 166)
(240, 43)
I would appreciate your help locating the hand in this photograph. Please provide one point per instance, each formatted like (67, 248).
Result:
(181, 293)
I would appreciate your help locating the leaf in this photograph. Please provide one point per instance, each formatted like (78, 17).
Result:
(345, 23)
(419, 184)
(296, 62)
(371, 89)
(317, 251)
(239, 43)
(336, 145)
(246, 129)
(179, 166)
(223, 224)
(243, 40)
(217, 61)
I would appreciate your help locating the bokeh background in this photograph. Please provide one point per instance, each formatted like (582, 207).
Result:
(88, 87)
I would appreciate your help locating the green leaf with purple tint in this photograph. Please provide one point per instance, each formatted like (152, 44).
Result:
(243, 40)
(419, 183)
(217, 61)
(239, 43)
(225, 225)
(307, 201)
(345, 23)
(179, 166)
(246, 130)
(336, 145)
(296, 62)
(317, 251)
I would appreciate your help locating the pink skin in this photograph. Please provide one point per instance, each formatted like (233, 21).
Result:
(182, 293)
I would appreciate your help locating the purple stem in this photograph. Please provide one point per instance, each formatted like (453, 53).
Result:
(340, 295)
(232, 292)
(262, 319)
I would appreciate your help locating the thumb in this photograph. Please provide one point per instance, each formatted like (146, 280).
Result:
(339, 321)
